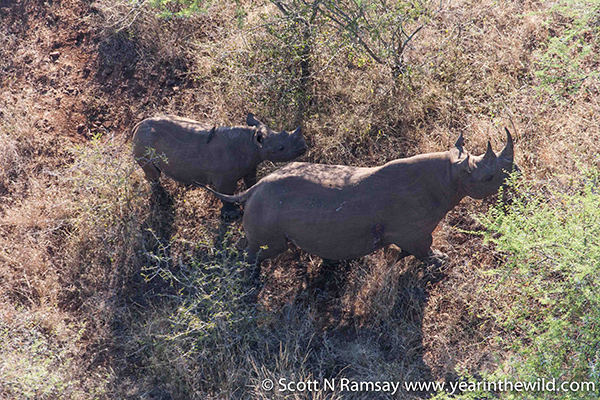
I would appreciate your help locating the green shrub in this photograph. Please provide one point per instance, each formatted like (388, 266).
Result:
(546, 290)
(206, 325)
(552, 272)
(572, 50)
(107, 207)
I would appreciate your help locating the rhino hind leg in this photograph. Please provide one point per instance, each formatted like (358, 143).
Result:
(259, 253)
(250, 179)
(228, 210)
(150, 170)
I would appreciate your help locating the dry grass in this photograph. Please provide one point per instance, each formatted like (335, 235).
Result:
(109, 291)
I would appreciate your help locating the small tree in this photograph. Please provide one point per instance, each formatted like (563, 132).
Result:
(383, 29)
(302, 14)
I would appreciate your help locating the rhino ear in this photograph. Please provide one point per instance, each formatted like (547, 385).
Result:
(251, 121)
(297, 132)
(258, 139)
(508, 152)
(489, 154)
(460, 142)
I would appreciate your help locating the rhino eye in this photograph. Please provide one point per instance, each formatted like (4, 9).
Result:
(281, 148)
(489, 178)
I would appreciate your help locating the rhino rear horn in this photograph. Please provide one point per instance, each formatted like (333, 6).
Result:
(251, 121)
(508, 152)
(489, 154)
(465, 164)
(460, 142)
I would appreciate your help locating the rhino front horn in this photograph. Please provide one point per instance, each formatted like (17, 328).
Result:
(508, 152)
(489, 154)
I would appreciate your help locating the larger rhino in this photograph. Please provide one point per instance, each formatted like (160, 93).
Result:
(189, 151)
(341, 212)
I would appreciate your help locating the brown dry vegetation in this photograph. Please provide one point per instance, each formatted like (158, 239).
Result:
(93, 268)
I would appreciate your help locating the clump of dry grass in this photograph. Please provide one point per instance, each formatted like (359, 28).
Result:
(10, 161)
(42, 357)
(15, 142)
(63, 230)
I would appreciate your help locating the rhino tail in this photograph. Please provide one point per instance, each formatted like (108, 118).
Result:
(240, 198)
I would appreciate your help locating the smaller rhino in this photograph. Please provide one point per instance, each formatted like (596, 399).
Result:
(340, 212)
(189, 151)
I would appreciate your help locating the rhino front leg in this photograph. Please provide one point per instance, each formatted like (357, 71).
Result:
(250, 179)
(436, 258)
(420, 248)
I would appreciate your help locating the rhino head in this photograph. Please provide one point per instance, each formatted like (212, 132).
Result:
(276, 146)
(481, 176)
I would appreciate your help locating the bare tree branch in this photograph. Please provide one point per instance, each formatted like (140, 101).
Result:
(282, 8)
(356, 33)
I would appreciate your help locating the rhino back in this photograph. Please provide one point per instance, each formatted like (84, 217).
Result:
(177, 129)
(342, 212)
(186, 151)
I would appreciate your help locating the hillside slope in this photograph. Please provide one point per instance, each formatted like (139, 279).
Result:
(109, 291)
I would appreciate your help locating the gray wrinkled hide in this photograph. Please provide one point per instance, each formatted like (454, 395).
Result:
(189, 151)
(342, 212)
